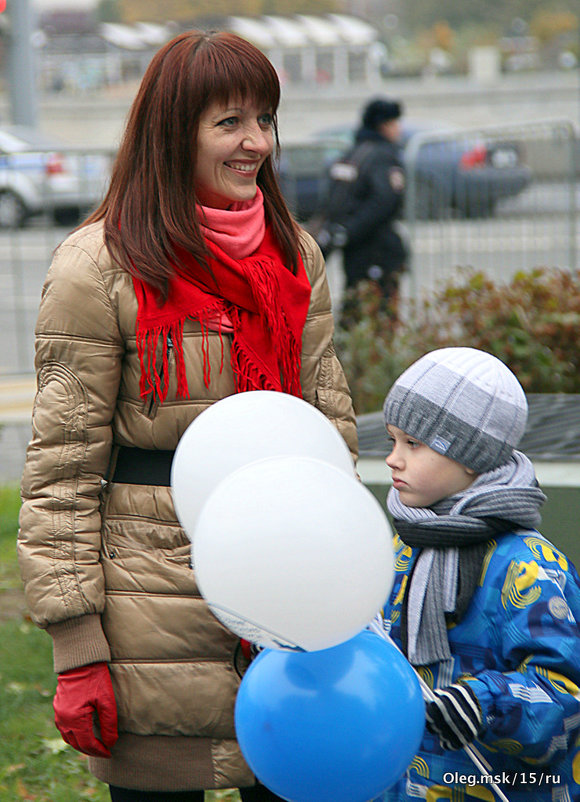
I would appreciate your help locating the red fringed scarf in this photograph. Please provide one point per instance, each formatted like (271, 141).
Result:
(266, 304)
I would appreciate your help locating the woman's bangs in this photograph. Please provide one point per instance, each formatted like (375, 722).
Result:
(245, 73)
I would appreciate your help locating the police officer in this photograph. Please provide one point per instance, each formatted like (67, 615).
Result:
(365, 198)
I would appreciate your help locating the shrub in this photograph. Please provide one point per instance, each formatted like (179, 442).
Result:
(365, 340)
(531, 323)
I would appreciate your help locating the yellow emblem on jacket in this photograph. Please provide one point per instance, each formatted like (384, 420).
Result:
(558, 681)
(508, 745)
(518, 588)
(491, 547)
(438, 793)
(541, 549)
(426, 675)
(420, 766)
(403, 558)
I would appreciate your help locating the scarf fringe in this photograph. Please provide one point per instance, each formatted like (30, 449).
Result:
(156, 382)
(152, 381)
(182, 389)
(247, 374)
(267, 310)
(291, 366)
(261, 277)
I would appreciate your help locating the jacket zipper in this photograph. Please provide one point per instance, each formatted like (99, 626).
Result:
(152, 403)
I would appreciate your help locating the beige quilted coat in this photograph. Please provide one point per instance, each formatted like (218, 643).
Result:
(106, 565)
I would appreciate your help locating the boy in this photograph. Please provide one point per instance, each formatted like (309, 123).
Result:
(483, 606)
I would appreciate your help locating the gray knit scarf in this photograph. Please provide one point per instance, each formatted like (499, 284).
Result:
(452, 536)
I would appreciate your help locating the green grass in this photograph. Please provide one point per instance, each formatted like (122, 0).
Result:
(35, 763)
(9, 506)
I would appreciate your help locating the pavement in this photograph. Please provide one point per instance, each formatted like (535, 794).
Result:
(16, 398)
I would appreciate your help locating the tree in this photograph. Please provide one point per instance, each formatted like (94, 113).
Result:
(108, 11)
(131, 11)
(549, 25)
(424, 14)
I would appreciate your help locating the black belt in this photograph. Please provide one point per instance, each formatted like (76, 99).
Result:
(142, 466)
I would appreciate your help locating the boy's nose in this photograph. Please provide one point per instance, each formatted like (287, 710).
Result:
(393, 459)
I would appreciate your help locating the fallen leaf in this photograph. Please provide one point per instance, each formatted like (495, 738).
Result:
(14, 768)
(54, 745)
(23, 792)
(16, 687)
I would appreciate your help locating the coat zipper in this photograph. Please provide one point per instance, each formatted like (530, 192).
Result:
(152, 403)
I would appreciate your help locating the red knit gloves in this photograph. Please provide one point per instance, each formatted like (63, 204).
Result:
(84, 696)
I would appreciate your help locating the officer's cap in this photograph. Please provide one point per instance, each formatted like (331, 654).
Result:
(381, 110)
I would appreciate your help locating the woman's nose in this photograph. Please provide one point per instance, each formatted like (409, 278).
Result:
(255, 138)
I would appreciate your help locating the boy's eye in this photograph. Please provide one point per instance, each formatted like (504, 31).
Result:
(413, 443)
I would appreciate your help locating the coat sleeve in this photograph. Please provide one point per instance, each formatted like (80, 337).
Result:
(79, 350)
(533, 711)
(323, 380)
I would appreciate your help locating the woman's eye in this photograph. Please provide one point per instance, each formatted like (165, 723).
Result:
(266, 120)
(228, 122)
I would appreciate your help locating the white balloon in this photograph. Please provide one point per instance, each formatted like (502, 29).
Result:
(243, 428)
(293, 553)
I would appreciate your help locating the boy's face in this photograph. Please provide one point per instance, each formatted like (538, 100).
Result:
(421, 475)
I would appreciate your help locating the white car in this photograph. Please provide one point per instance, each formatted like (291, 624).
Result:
(39, 175)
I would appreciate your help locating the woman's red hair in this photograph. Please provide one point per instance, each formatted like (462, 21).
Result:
(150, 204)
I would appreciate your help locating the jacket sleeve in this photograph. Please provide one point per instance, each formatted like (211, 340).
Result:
(382, 198)
(533, 711)
(323, 382)
(79, 350)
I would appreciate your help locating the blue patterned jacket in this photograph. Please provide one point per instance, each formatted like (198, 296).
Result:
(518, 646)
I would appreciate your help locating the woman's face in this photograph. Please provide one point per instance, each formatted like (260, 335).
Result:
(233, 142)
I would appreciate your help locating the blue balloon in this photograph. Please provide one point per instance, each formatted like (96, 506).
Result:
(337, 725)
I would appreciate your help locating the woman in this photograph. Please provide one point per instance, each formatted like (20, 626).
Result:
(189, 283)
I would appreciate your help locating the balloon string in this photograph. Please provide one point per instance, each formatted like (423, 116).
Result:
(474, 754)
(477, 758)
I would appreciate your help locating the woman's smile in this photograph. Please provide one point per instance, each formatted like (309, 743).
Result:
(244, 167)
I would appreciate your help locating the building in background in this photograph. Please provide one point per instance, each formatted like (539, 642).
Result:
(78, 54)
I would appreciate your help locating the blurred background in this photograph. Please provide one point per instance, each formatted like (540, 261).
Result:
(491, 95)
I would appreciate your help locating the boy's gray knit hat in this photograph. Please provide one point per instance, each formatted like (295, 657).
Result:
(463, 403)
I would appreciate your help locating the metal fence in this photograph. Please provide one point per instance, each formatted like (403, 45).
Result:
(44, 193)
(450, 226)
(497, 199)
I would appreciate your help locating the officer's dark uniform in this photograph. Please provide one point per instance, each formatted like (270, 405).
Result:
(365, 197)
